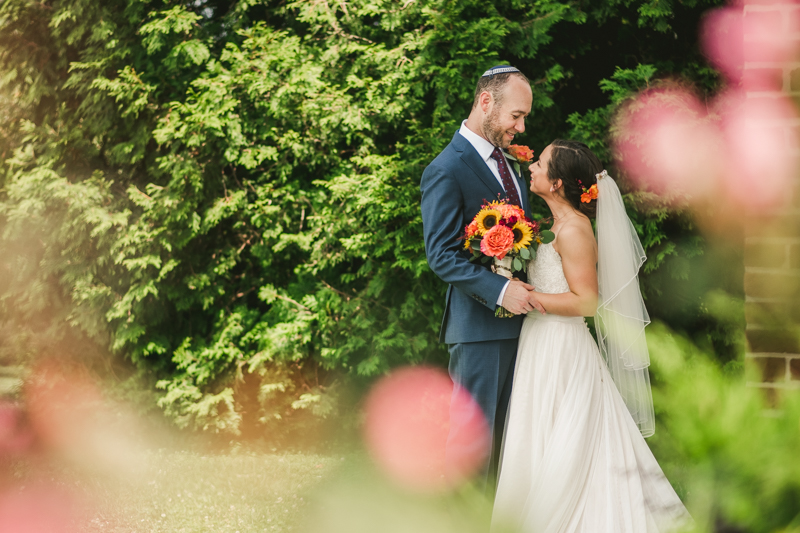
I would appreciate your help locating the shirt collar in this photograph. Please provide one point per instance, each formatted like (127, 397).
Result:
(481, 145)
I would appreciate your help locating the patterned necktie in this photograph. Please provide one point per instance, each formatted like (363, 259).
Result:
(506, 177)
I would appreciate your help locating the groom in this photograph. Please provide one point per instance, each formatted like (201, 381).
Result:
(470, 170)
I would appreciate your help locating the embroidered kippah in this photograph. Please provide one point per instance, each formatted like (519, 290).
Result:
(500, 69)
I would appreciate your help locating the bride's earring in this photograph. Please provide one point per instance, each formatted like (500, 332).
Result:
(552, 188)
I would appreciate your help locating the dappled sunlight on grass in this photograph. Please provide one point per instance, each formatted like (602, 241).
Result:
(191, 492)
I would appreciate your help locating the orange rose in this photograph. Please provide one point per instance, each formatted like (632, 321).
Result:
(472, 228)
(523, 154)
(497, 241)
(508, 211)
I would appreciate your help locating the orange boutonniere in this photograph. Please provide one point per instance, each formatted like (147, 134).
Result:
(521, 153)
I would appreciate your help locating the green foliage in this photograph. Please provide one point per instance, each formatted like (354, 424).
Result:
(225, 194)
(748, 483)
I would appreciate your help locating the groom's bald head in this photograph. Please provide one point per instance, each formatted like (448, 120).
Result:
(494, 85)
(503, 100)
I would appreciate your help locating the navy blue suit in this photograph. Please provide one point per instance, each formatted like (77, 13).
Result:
(482, 347)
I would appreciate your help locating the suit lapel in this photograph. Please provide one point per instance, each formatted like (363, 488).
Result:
(470, 156)
(473, 160)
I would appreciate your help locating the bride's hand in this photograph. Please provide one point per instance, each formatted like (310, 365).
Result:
(536, 303)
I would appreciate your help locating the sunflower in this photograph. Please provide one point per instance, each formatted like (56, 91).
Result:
(487, 218)
(523, 235)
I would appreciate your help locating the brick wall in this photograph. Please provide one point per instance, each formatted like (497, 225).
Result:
(772, 240)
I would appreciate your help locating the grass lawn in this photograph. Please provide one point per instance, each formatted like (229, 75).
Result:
(244, 492)
(189, 492)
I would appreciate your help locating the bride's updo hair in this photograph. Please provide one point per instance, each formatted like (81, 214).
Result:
(576, 166)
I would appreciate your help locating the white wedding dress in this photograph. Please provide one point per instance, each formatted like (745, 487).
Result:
(573, 458)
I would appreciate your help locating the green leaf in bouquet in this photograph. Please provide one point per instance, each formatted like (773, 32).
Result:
(547, 236)
(485, 259)
(517, 263)
(525, 253)
(532, 253)
(476, 244)
(474, 257)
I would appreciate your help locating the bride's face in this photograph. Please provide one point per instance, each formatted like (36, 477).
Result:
(540, 182)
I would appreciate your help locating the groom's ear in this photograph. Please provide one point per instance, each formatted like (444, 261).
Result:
(485, 101)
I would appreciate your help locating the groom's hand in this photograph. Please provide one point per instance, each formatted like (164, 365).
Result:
(536, 303)
(517, 296)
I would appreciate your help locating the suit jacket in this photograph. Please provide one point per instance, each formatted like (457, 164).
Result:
(454, 187)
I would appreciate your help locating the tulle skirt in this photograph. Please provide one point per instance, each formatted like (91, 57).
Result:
(573, 459)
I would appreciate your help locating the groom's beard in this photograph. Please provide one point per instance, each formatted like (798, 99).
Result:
(494, 132)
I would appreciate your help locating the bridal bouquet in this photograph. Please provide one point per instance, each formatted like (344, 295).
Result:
(501, 233)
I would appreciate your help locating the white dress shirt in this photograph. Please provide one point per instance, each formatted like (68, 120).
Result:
(485, 149)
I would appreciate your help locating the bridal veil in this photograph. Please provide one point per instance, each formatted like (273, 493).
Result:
(621, 315)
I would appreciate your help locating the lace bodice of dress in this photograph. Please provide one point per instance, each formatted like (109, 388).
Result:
(545, 272)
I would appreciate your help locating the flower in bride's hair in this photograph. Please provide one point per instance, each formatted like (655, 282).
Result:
(497, 242)
(487, 218)
(589, 194)
(521, 153)
(523, 235)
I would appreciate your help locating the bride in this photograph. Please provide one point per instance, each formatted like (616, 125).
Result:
(574, 456)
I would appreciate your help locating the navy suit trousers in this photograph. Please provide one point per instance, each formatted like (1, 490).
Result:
(486, 370)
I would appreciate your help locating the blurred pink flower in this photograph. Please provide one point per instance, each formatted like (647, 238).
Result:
(666, 141)
(751, 45)
(71, 417)
(42, 508)
(760, 165)
(722, 40)
(407, 422)
(15, 436)
(740, 153)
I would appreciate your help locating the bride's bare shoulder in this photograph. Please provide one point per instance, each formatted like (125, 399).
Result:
(575, 235)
